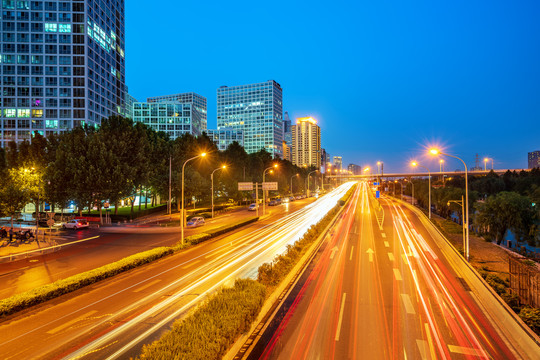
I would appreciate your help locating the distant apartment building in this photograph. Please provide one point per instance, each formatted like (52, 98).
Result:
(287, 152)
(62, 65)
(306, 143)
(355, 169)
(338, 163)
(225, 137)
(287, 129)
(197, 102)
(323, 159)
(129, 101)
(171, 117)
(256, 110)
(534, 159)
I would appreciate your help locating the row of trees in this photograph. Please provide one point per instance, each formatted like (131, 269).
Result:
(122, 159)
(497, 204)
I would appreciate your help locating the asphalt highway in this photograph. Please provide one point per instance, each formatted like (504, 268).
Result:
(116, 317)
(107, 245)
(380, 288)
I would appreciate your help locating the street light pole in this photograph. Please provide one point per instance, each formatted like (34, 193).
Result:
(212, 181)
(308, 181)
(291, 181)
(429, 177)
(182, 215)
(436, 152)
(264, 194)
(170, 183)
(462, 203)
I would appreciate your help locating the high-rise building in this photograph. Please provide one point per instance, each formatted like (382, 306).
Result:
(323, 159)
(172, 117)
(198, 105)
(338, 163)
(225, 137)
(328, 160)
(534, 159)
(62, 65)
(287, 131)
(257, 110)
(306, 143)
(129, 101)
(287, 152)
(355, 169)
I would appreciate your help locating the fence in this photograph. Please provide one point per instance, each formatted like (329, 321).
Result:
(524, 281)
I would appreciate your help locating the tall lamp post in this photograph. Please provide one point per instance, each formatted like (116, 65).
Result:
(264, 194)
(462, 203)
(437, 152)
(414, 163)
(212, 181)
(292, 177)
(182, 215)
(486, 160)
(308, 181)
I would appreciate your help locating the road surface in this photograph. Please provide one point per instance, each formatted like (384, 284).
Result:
(115, 317)
(380, 289)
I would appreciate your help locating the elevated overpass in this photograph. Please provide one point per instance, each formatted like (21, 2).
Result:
(423, 174)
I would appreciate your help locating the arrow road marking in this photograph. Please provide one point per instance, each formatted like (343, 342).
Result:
(370, 253)
(334, 250)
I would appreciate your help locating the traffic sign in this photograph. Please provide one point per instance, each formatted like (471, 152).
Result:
(50, 222)
(269, 186)
(377, 194)
(375, 183)
(245, 186)
(50, 214)
(106, 204)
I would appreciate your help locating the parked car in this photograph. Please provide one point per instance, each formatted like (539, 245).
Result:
(75, 224)
(272, 203)
(195, 221)
(292, 198)
(252, 207)
(298, 197)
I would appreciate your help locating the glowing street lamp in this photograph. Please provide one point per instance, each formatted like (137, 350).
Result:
(212, 180)
(485, 163)
(264, 193)
(414, 163)
(183, 214)
(308, 181)
(466, 220)
(291, 181)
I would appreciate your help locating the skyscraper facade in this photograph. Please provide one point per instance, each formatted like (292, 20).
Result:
(338, 163)
(225, 137)
(171, 117)
(257, 110)
(534, 159)
(355, 169)
(306, 143)
(198, 105)
(287, 131)
(62, 65)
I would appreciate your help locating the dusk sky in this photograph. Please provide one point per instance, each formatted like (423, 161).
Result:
(383, 78)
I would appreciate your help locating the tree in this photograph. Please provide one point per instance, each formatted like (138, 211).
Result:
(15, 192)
(508, 211)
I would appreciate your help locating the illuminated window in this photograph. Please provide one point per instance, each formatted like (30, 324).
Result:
(23, 113)
(9, 112)
(51, 124)
(64, 28)
(51, 27)
(37, 113)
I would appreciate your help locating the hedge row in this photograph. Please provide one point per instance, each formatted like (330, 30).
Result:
(46, 292)
(43, 293)
(271, 274)
(213, 327)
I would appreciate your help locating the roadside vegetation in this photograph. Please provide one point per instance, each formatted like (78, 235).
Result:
(209, 331)
(43, 293)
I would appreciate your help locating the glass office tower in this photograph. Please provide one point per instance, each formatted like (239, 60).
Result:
(198, 105)
(257, 110)
(62, 65)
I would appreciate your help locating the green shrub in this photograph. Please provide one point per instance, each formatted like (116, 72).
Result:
(512, 300)
(531, 317)
(213, 327)
(43, 293)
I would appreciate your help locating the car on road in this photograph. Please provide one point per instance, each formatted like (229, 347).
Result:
(75, 224)
(252, 207)
(272, 203)
(292, 198)
(299, 197)
(195, 221)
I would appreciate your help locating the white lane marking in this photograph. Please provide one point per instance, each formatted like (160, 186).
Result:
(147, 285)
(334, 250)
(352, 249)
(71, 322)
(338, 331)
(409, 308)
(370, 253)
(383, 235)
(423, 347)
(405, 260)
(397, 275)
(391, 256)
(464, 350)
(386, 244)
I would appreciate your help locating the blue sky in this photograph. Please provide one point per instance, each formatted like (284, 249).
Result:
(383, 78)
